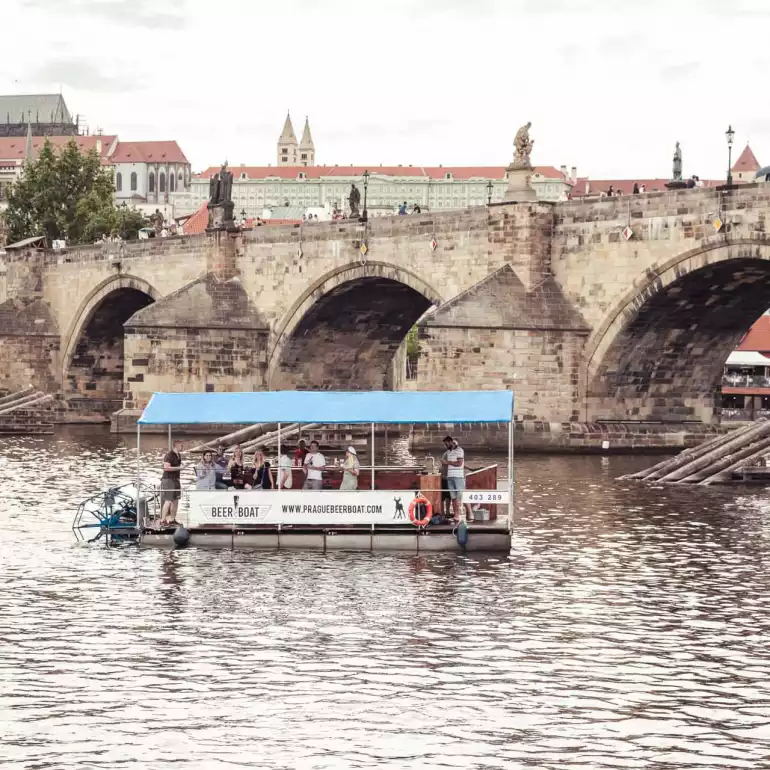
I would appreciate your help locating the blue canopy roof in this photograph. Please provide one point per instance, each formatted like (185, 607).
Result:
(328, 407)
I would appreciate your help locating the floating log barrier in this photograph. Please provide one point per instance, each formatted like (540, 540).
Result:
(24, 403)
(688, 455)
(723, 470)
(255, 436)
(11, 397)
(21, 413)
(268, 439)
(714, 461)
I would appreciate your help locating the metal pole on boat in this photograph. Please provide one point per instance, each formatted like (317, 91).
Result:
(372, 455)
(169, 438)
(510, 474)
(278, 462)
(139, 511)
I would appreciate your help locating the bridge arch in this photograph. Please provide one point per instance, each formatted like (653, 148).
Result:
(660, 352)
(92, 364)
(344, 330)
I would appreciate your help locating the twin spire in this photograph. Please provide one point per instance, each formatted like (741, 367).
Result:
(291, 153)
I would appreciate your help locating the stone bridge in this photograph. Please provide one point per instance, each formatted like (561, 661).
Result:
(550, 300)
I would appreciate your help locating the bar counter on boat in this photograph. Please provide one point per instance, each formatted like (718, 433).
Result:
(394, 508)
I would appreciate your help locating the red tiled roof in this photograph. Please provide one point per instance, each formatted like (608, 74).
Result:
(317, 172)
(374, 170)
(148, 152)
(747, 161)
(15, 147)
(758, 337)
(198, 221)
(262, 172)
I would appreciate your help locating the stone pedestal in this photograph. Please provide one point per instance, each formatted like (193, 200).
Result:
(519, 187)
(221, 217)
(676, 184)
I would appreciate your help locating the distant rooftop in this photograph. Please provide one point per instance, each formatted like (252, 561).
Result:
(34, 108)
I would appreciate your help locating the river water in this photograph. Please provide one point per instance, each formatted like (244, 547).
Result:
(628, 629)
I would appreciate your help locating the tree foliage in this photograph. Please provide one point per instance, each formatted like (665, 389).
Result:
(67, 195)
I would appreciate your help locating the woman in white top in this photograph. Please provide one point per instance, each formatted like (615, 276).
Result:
(351, 470)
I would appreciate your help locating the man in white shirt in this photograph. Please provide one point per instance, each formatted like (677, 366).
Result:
(315, 463)
(454, 460)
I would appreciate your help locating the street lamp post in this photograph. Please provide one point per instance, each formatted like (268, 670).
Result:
(489, 192)
(730, 134)
(365, 215)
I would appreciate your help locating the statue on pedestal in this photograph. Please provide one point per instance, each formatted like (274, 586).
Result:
(523, 147)
(355, 201)
(221, 205)
(519, 173)
(677, 175)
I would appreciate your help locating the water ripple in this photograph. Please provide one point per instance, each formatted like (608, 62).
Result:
(629, 629)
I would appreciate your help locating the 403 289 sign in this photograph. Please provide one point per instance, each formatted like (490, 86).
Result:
(489, 496)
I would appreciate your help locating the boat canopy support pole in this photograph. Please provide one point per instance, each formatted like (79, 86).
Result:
(278, 462)
(510, 474)
(372, 455)
(169, 438)
(137, 483)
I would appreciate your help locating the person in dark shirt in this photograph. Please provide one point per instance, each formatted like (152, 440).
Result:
(263, 476)
(300, 453)
(236, 468)
(170, 484)
(220, 463)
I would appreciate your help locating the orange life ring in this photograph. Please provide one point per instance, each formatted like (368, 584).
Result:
(420, 500)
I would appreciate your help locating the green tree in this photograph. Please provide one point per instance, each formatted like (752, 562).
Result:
(67, 195)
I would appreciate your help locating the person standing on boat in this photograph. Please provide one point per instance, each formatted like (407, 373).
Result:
(206, 472)
(220, 465)
(284, 472)
(236, 467)
(454, 460)
(263, 473)
(300, 453)
(314, 464)
(351, 469)
(170, 484)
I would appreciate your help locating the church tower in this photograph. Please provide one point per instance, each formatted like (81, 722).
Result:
(287, 144)
(306, 147)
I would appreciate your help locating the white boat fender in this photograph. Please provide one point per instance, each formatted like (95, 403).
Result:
(461, 533)
(181, 536)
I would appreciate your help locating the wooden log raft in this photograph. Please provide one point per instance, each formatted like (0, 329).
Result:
(688, 455)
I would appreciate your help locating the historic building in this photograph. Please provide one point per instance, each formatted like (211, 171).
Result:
(44, 114)
(745, 168)
(297, 181)
(146, 173)
(256, 188)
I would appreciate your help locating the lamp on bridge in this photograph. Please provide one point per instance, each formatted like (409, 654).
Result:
(365, 215)
(730, 134)
(489, 192)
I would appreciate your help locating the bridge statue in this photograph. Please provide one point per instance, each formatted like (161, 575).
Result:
(221, 204)
(520, 171)
(354, 200)
(677, 176)
(523, 147)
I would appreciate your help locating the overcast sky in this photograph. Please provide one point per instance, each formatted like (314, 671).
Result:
(409, 81)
